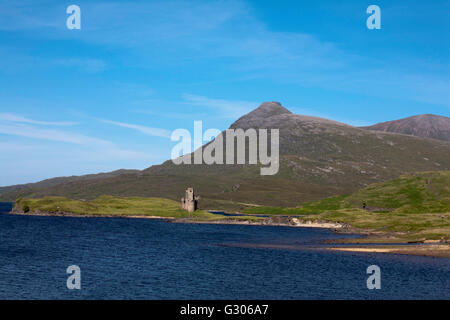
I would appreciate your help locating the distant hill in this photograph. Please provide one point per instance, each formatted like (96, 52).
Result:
(425, 126)
(318, 158)
(60, 181)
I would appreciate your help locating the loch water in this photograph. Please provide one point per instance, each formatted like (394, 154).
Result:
(125, 258)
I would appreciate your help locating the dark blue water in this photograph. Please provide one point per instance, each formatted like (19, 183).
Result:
(150, 259)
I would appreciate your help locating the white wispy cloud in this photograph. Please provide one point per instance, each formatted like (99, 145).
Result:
(29, 161)
(95, 148)
(27, 131)
(156, 132)
(10, 117)
(174, 115)
(226, 108)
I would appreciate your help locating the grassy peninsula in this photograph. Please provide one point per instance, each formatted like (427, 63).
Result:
(109, 206)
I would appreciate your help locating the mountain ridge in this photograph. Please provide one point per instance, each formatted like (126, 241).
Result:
(423, 125)
(318, 158)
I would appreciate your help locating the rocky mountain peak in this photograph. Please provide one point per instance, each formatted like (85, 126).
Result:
(268, 109)
(264, 111)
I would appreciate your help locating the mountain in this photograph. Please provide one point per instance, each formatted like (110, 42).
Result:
(318, 158)
(424, 125)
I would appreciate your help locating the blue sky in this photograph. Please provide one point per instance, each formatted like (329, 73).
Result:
(109, 95)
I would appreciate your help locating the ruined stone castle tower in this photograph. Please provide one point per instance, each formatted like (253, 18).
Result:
(190, 201)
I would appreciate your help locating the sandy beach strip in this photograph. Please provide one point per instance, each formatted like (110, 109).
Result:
(434, 250)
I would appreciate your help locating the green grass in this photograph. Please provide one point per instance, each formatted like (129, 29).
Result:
(424, 192)
(415, 206)
(315, 207)
(119, 206)
(414, 226)
(108, 205)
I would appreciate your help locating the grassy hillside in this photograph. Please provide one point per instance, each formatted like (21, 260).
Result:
(415, 206)
(422, 192)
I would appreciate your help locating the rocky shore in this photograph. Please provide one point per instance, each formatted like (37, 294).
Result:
(274, 221)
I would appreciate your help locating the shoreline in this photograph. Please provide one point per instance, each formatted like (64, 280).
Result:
(287, 222)
(73, 215)
(268, 222)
